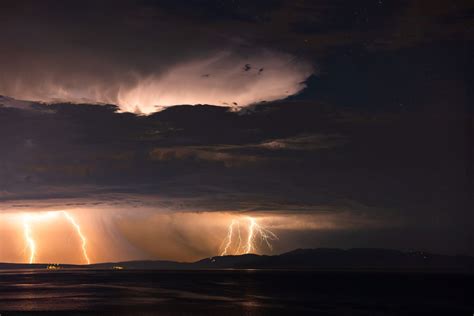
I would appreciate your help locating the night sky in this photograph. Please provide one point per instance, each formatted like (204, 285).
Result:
(334, 123)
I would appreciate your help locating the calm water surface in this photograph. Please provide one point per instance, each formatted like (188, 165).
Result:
(233, 292)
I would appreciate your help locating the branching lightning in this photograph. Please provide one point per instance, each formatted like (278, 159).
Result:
(228, 239)
(250, 237)
(254, 230)
(31, 243)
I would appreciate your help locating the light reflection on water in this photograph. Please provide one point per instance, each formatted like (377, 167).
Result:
(228, 292)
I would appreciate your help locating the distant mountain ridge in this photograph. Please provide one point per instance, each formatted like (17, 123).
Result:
(362, 259)
(8, 102)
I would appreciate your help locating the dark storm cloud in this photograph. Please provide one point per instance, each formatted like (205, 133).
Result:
(83, 145)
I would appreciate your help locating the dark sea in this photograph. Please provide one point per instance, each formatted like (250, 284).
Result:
(233, 292)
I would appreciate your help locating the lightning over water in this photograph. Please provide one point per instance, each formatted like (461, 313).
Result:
(31, 242)
(256, 235)
(79, 232)
(228, 240)
(40, 236)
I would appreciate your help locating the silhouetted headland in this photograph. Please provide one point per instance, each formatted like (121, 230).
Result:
(357, 259)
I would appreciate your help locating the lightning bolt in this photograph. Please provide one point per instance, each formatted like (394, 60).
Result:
(228, 239)
(79, 232)
(250, 237)
(240, 237)
(31, 243)
(254, 230)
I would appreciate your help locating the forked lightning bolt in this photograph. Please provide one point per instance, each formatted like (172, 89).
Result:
(31, 243)
(250, 236)
(254, 230)
(230, 232)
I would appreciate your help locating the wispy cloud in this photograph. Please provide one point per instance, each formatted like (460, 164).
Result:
(232, 155)
(208, 153)
(305, 142)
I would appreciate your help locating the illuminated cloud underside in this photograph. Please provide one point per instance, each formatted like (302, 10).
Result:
(93, 235)
(225, 79)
